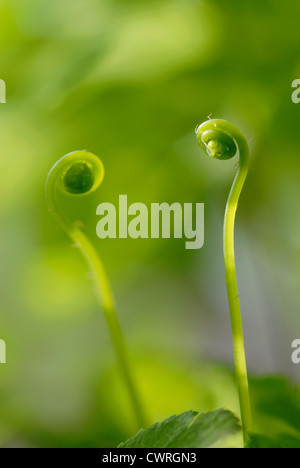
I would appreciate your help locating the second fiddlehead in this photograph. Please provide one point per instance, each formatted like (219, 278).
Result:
(222, 140)
(81, 173)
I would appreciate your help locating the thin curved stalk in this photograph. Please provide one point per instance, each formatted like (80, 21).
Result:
(221, 140)
(71, 175)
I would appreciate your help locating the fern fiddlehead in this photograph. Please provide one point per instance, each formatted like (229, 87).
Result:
(222, 140)
(79, 174)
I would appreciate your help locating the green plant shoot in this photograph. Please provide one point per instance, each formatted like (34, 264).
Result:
(78, 174)
(222, 140)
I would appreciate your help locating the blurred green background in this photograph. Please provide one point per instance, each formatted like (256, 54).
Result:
(130, 80)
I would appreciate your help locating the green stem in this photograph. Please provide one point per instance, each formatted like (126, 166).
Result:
(232, 289)
(103, 290)
(106, 300)
(221, 140)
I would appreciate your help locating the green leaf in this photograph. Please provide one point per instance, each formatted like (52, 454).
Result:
(281, 441)
(187, 430)
(277, 399)
(260, 441)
